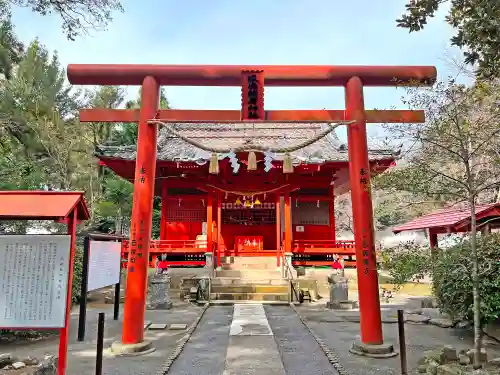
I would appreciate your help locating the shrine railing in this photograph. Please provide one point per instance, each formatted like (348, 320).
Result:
(174, 246)
(192, 252)
(178, 252)
(321, 252)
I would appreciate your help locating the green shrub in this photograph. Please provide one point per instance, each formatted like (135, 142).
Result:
(405, 263)
(451, 274)
(452, 279)
(77, 275)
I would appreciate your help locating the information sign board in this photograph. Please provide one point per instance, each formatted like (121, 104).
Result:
(34, 273)
(104, 264)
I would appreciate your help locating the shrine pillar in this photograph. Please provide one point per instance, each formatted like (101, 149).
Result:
(219, 230)
(164, 202)
(331, 211)
(366, 266)
(210, 226)
(433, 244)
(142, 214)
(278, 229)
(288, 222)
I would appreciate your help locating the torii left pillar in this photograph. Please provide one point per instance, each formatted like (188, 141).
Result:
(140, 234)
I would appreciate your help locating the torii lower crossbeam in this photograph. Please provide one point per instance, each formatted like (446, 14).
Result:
(132, 115)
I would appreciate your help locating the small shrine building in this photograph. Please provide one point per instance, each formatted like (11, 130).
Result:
(256, 204)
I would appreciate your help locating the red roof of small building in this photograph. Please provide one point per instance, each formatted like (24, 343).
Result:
(42, 205)
(449, 219)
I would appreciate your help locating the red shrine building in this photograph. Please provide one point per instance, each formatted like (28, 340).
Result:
(252, 209)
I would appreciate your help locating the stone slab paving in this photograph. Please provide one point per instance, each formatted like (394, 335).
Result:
(252, 349)
(81, 355)
(253, 355)
(249, 320)
(340, 328)
(299, 351)
(205, 352)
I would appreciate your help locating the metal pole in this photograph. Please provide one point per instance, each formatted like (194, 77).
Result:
(402, 342)
(83, 290)
(100, 344)
(116, 311)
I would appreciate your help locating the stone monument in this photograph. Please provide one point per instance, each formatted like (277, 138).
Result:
(339, 293)
(158, 297)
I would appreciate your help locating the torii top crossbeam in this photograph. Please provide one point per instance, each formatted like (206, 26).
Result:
(230, 75)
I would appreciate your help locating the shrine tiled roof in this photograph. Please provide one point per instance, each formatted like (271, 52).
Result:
(232, 135)
(453, 219)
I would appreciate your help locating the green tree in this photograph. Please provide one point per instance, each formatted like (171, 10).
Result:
(115, 208)
(10, 47)
(78, 16)
(113, 202)
(453, 157)
(477, 24)
(39, 112)
(126, 134)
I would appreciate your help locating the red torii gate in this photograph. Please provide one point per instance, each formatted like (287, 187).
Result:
(353, 78)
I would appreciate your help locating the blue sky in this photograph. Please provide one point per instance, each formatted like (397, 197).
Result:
(359, 32)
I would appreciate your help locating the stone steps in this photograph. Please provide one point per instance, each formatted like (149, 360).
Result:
(240, 281)
(250, 263)
(246, 279)
(249, 274)
(250, 288)
(223, 302)
(250, 296)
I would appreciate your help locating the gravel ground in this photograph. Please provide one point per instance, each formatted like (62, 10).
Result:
(81, 355)
(299, 351)
(205, 352)
(339, 331)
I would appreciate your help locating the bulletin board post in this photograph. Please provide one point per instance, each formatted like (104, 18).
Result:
(63, 335)
(88, 255)
(63, 207)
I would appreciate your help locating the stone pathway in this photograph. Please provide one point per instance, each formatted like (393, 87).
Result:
(205, 352)
(251, 340)
(272, 340)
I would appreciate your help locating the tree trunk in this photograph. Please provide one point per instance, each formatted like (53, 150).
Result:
(478, 336)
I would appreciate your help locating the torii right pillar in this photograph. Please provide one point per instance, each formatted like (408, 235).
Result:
(372, 342)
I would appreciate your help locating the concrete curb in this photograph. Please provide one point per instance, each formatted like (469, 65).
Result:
(330, 354)
(181, 344)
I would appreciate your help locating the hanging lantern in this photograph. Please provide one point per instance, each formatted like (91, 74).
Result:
(317, 204)
(238, 201)
(248, 204)
(265, 195)
(213, 167)
(179, 202)
(257, 202)
(203, 202)
(287, 164)
(252, 161)
(226, 196)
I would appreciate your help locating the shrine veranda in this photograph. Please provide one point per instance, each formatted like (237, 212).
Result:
(249, 182)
